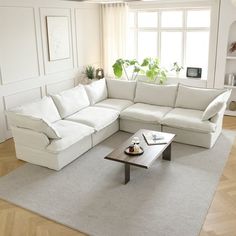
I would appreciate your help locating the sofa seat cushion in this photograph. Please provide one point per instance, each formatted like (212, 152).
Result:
(70, 132)
(96, 117)
(188, 119)
(116, 104)
(145, 113)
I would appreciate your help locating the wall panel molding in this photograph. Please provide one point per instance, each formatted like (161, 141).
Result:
(20, 82)
(59, 86)
(0, 76)
(18, 45)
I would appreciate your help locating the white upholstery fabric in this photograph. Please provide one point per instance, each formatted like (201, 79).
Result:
(121, 89)
(32, 123)
(206, 140)
(216, 105)
(45, 109)
(145, 113)
(54, 161)
(70, 101)
(71, 132)
(195, 98)
(97, 91)
(132, 126)
(160, 95)
(105, 132)
(189, 120)
(30, 138)
(219, 116)
(116, 104)
(96, 117)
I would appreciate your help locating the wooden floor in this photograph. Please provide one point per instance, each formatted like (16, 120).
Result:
(220, 220)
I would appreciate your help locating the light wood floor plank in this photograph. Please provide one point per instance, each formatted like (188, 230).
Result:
(220, 220)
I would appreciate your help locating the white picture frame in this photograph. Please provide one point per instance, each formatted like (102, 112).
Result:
(58, 37)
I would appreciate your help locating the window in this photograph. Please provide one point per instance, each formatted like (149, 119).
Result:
(172, 35)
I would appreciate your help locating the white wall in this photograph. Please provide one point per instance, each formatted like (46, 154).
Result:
(26, 74)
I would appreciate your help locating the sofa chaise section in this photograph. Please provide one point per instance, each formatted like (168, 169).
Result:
(187, 120)
(41, 137)
(37, 148)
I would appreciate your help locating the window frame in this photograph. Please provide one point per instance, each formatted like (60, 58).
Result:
(159, 29)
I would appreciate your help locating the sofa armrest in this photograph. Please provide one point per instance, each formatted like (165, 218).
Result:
(218, 118)
(29, 138)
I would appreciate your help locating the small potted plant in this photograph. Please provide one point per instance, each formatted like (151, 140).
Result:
(89, 71)
(177, 68)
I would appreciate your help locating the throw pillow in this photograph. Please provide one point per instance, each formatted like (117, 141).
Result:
(216, 105)
(97, 91)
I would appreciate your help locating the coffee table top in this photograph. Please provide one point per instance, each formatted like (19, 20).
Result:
(151, 152)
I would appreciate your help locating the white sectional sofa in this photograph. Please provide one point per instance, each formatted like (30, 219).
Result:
(61, 127)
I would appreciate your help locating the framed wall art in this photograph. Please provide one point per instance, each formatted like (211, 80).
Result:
(58, 37)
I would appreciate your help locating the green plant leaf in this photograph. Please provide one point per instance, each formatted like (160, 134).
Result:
(133, 62)
(117, 69)
(146, 62)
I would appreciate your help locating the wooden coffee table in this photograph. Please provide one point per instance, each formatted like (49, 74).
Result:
(151, 152)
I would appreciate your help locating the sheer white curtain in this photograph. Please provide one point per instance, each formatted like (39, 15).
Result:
(114, 29)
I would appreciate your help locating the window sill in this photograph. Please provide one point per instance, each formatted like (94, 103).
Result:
(184, 77)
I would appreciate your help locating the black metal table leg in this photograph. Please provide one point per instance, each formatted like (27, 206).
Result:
(167, 153)
(127, 173)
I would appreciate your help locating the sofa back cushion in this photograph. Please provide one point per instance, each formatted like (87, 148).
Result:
(161, 95)
(70, 101)
(195, 98)
(121, 89)
(44, 109)
(97, 91)
(32, 123)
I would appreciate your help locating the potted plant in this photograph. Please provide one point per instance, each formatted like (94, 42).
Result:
(177, 68)
(150, 67)
(89, 71)
(153, 71)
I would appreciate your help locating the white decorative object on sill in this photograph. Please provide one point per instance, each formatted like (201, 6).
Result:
(230, 79)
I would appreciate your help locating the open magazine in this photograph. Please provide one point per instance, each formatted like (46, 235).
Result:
(154, 138)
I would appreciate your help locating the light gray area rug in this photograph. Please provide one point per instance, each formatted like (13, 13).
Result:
(169, 199)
